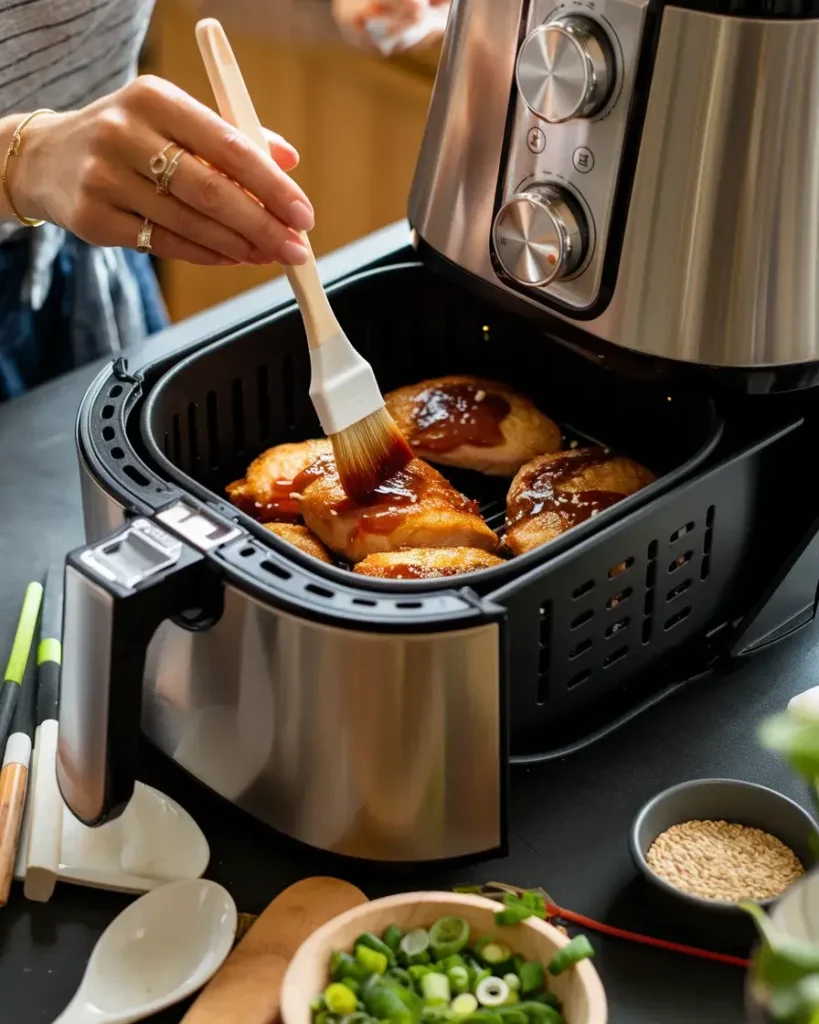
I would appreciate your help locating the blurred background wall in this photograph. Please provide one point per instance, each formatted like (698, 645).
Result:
(355, 119)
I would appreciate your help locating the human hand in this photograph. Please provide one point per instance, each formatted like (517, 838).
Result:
(89, 171)
(392, 25)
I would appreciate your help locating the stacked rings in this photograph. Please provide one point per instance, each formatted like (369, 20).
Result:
(162, 167)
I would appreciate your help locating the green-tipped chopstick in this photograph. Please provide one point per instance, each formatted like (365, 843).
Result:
(20, 651)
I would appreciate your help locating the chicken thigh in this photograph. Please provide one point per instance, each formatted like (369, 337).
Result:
(426, 563)
(266, 491)
(416, 507)
(552, 493)
(472, 423)
(301, 538)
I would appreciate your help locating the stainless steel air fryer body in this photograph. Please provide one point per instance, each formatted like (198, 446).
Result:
(647, 172)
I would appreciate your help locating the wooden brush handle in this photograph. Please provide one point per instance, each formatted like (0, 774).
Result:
(236, 107)
(13, 781)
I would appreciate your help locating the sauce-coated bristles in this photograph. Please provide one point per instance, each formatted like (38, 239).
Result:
(368, 453)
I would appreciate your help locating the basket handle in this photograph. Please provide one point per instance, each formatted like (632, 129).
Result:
(117, 593)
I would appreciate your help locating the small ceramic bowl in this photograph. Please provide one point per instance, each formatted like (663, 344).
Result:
(732, 800)
(580, 989)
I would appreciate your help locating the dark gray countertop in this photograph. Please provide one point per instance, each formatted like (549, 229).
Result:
(569, 820)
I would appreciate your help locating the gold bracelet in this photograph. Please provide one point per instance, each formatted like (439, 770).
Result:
(14, 150)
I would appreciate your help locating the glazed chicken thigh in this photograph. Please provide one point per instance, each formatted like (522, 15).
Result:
(552, 493)
(472, 423)
(415, 508)
(302, 538)
(426, 563)
(266, 491)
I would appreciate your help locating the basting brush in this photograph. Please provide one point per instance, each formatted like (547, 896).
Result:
(367, 444)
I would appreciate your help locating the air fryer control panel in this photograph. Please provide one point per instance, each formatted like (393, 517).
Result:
(573, 87)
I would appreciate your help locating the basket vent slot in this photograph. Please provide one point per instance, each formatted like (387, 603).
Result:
(584, 588)
(677, 591)
(680, 561)
(581, 677)
(108, 433)
(582, 619)
(675, 620)
(619, 598)
(648, 603)
(544, 653)
(707, 542)
(677, 534)
(617, 627)
(134, 474)
(621, 567)
(615, 656)
(212, 419)
(581, 648)
(275, 570)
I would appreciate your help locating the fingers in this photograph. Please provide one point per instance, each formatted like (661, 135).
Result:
(285, 155)
(185, 222)
(123, 229)
(192, 125)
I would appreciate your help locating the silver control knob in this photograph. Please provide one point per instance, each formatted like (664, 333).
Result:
(540, 236)
(566, 69)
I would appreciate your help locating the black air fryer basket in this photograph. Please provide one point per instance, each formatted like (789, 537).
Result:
(591, 615)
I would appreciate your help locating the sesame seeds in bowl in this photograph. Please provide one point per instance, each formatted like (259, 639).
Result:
(707, 845)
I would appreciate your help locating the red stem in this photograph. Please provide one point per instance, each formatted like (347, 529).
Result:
(618, 933)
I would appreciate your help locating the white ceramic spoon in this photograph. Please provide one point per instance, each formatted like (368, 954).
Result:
(161, 948)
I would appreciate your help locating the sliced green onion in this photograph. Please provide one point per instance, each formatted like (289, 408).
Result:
(401, 976)
(340, 999)
(352, 984)
(512, 1015)
(414, 945)
(435, 989)
(458, 978)
(323, 1017)
(492, 992)
(342, 966)
(392, 937)
(578, 949)
(495, 953)
(449, 935)
(417, 971)
(434, 1014)
(464, 1004)
(373, 942)
(375, 962)
(540, 1013)
(513, 981)
(359, 1017)
(481, 1017)
(531, 977)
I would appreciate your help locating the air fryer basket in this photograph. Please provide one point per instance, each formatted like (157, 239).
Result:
(596, 619)
(218, 409)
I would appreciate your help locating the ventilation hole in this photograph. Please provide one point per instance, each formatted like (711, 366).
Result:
(705, 571)
(136, 476)
(581, 648)
(581, 677)
(275, 570)
(620, 568)
(681, 588)
(543, 681)
(617, 627)
(246, 552)
(546, 610)
(193, 440)
(584, 589)
(237, 407)
(709, 516)
(117, 453)
(263, 386)
(651, 574)
(648, 603)
(212, 421)
(615, 656)
(408, 605)
(582, 619)
(652, 549)
(544, 659)
(675, 620)
(107, 412)
(288, 390)
(647, 629)
(177, 441)
(706, 542)
(312, 588)
(115, 391)
(108, 433)
(618, 599)
(683, 530)
(364, 602)
(678, 563)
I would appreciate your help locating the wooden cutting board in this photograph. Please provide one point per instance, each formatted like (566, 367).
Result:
(247, 987)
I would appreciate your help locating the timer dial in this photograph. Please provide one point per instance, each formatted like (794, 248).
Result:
(566, 69)
(540, 236)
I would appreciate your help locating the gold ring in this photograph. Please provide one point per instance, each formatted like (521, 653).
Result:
(163, 186)
(160, 161)
(143, 243)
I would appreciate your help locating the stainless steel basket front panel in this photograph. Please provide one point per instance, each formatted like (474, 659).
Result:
(368, 744)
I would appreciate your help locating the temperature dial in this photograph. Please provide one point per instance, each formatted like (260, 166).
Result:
(566, 69)
(540, 236)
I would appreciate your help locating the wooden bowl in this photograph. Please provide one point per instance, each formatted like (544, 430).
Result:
(579, 988)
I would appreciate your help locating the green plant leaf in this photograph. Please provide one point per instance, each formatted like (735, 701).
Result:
(796, 739)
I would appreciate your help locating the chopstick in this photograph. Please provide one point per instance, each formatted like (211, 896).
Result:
(18, 659)
(17, 751)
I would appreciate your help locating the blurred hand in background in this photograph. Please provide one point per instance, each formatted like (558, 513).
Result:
(392, 26)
